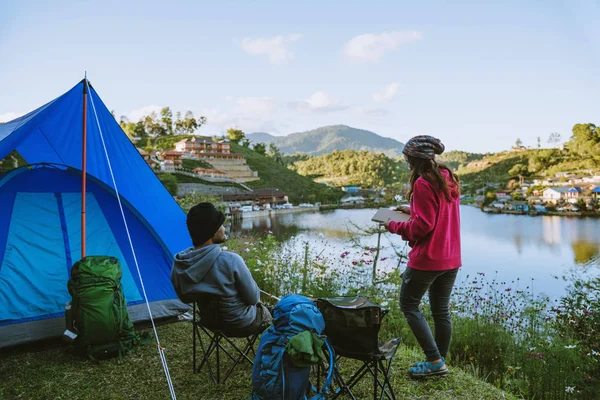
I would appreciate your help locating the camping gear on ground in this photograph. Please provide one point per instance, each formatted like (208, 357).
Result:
(286, 353)
(353, 324)
(206, 313)
(40, 222)
(99, 316)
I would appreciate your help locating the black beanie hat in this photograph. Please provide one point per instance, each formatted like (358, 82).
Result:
(203, 221)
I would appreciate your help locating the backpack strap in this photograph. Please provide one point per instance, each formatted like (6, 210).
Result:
(324, 391)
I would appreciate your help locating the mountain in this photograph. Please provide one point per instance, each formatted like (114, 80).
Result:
(326, 139)
(260, 137)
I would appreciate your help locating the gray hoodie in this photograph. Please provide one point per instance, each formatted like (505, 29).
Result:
(209, 270)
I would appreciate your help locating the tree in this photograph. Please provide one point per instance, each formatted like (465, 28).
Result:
(275, 154)
(235, 135)
(539, 141)
(585, 140)
(490, 197)
(519, 142)
(246, 143)
(260, 148)
(166, 120)
(554, 138)
(170, 182)
(518, 170)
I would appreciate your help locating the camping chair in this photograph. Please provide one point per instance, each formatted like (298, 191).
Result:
(352, 324)
(219, 340)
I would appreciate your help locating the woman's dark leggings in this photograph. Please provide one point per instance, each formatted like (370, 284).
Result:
(439, 283)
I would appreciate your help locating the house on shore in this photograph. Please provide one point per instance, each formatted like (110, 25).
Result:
(558, 194)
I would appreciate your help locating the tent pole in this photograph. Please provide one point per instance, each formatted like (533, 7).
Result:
(84, 168)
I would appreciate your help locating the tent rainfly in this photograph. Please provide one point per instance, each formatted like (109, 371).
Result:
(40, 222)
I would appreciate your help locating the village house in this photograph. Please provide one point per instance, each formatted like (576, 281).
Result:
(503, 194)
(596, 193)
(202, 145)
(592, 179)
(559, 194)
(562, 174)
(172, 157)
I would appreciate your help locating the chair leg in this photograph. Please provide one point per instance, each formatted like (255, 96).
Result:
(375, 381)
(194, 331)
(386, 381)
(243, 354)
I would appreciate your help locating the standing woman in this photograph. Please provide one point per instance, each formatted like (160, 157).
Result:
(433, 233)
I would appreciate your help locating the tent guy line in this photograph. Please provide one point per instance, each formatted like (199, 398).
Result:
(159, 347)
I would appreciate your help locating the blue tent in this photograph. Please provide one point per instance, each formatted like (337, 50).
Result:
(40, 228)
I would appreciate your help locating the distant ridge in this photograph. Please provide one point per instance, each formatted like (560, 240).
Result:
(326, 139)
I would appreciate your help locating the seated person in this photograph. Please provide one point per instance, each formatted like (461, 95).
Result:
(205, 269)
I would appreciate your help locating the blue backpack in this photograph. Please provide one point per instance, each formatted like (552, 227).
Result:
(274, 376)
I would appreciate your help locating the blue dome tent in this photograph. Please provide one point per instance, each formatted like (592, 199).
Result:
(40, 222)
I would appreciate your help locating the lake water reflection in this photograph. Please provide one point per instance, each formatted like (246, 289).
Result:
(514, 247)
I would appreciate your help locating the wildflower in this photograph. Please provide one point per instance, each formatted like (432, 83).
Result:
(570, 389)
(354, 262)
(471, 358)
(224, 248)
(481, 273)
(570, 346)
(385, 303)
(384, 258)
(247, 250)
(507, 289)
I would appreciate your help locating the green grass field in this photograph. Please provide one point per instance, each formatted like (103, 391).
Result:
(55, 374)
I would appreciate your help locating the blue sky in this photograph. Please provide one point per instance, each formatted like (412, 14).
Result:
(476, 74)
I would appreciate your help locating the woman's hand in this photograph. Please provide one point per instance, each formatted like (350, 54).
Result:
(403, 209)
(387, 224)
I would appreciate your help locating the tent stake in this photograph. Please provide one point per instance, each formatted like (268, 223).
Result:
(83, 167)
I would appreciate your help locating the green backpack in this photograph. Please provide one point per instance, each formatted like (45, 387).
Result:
(99, 315)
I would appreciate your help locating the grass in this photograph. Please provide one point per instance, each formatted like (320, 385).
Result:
(190, 163)
(56, 374)
(181, 178)
(273, 175)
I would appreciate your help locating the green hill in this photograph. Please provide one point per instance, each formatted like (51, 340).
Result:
(351, 167)
(274, 175)
(539, 162)
(329, 138)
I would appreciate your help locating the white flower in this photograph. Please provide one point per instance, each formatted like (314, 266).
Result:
(246, 243)
(247, 249)
(385, 303)
(570, 389)
(258, 262)
(224, 248)
(321, 235)
(531, 348)
(593, 353)
(570, 347)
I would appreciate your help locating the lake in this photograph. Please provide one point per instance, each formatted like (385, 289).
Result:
(531, 251)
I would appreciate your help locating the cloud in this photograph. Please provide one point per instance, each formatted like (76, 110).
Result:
(256, 106)
(371, 47)
(387, 93)
(9, 116)
(318, 102)
(136, 115)
(371, 112)
(275, 48)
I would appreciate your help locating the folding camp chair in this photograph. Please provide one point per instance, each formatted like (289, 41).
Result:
(352, 324)
(219, 340)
